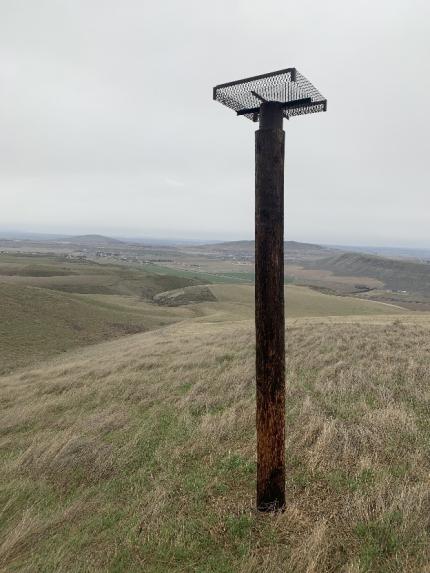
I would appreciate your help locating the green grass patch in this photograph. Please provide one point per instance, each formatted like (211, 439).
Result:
(379, 541)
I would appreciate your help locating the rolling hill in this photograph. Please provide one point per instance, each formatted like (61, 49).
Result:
(94, 240)
(293, 250)
(36, 323)
(139, 454)
(397, 275)
(323, 266)
(50, 304)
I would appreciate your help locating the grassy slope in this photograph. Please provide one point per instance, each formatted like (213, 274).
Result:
(138, 454)
(36, 323)
(49, 304)
(238, 301)
(92, 278)
(202, 276)
(395, 274)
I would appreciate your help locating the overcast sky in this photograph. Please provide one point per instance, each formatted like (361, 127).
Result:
(107, 123)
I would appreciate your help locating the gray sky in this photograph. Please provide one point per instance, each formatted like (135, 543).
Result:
(107, 123)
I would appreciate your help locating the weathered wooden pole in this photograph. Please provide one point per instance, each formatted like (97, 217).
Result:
(269, 307)
(268, 98)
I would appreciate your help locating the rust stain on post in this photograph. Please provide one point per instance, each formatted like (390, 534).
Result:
(269, 314)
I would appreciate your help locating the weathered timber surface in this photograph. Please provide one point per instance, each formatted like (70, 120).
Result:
(269, 317)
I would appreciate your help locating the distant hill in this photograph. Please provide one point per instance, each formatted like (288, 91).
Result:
(94, 240)
(397, 275)
(294, 250)
(90, 239)
(412, 276)
(232, 245)
(392, 252)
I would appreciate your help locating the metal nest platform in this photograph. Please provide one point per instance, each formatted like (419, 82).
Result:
(295, 93)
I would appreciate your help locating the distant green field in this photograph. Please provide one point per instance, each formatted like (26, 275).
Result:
(218, 277)
(201, 276)
(238, 300)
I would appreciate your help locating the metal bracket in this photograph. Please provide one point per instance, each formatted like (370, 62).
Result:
(303, 102)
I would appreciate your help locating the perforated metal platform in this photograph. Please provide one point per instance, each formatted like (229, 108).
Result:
(288, 87)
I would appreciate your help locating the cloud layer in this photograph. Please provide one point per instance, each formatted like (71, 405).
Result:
(107, 122)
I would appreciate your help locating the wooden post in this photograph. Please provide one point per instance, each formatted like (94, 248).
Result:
(269, 308)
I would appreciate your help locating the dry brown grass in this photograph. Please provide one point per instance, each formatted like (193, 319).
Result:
(139, 454)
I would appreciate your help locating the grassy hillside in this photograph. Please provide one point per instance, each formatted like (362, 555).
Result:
(36, 323)
(301, 302)
(395, 274)
(49, 304)
(99, 240)
(88, 277)
(139, 454)
(249, 247)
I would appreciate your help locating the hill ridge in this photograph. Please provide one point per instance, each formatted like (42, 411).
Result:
(397, 275)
